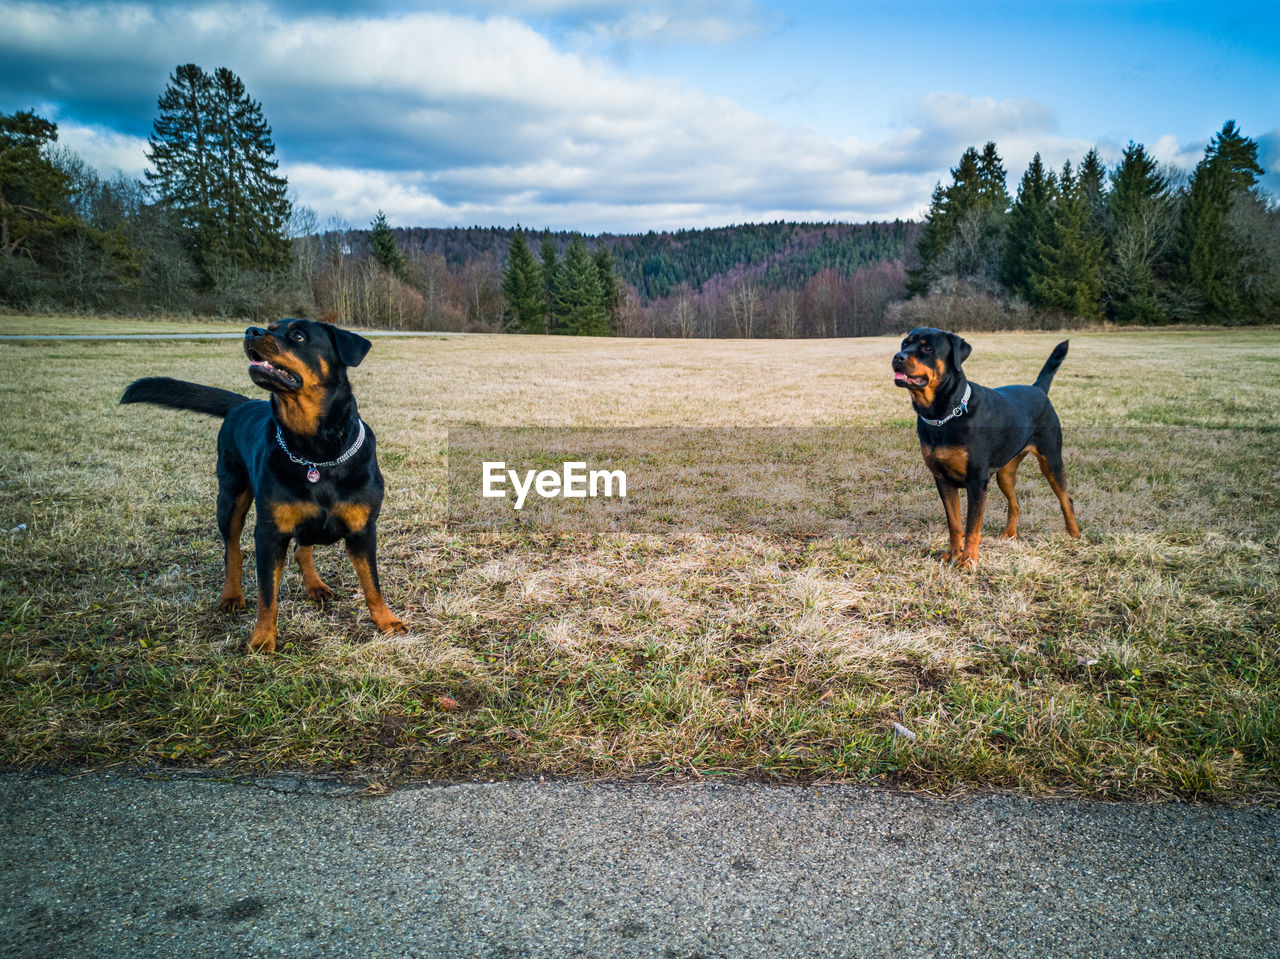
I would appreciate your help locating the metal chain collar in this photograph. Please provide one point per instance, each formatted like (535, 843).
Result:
(964, 405)
(313, 469)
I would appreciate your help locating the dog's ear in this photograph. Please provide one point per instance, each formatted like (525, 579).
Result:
(351, 347)
(959, 349)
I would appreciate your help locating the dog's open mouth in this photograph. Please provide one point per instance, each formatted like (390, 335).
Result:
(267, 374)
(910, 382)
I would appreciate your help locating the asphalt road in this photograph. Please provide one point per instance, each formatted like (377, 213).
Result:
(124, 866)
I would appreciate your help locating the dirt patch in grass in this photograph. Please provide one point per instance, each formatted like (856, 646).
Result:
(1141, 662)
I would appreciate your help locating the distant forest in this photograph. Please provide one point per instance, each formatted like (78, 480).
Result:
(211, 230)
(774, 279)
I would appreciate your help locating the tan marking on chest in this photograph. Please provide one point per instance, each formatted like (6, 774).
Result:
(948, 462)
(289, 516)
(301, 412)
(353, 515)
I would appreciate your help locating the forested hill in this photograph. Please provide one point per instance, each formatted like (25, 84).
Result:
(774, 255)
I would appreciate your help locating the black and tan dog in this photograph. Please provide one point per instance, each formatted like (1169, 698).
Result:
(967, 432)
(305, 458)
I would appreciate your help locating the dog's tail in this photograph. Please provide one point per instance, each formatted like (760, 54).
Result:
(178, 395)
(1051, 365)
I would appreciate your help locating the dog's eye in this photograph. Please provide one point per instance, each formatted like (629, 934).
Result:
(926, 348)
(297, 336)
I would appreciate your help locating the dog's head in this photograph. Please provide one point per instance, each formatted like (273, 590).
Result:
(304, 363)
(928, 358)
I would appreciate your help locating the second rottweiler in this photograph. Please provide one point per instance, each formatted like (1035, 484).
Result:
(967, 432)
(305, 458)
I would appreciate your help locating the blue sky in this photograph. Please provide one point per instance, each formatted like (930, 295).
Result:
(629, 115)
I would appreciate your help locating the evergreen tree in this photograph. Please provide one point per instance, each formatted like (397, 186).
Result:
(522, 286)
(579, 300)
(1029, 223)
(933, 239)
(34, 191)
(610, 288)
(382, 243)
(963, 232)
(214, 164)
(550, 280)
(1136, 251)
(992, 179)
(51, 248)
(1211, 253)
(1092, 177)
(1066, 270)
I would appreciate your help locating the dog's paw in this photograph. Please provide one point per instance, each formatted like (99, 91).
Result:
(1007, 536)
(391, 623)
(262, 642)
(230, 604)
(319, 593)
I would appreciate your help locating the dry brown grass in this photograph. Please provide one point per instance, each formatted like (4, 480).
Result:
(1141, 662)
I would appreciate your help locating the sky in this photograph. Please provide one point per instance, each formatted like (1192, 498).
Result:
(633, 115)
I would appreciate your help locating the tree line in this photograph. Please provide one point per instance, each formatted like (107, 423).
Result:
(211, 229)
(1136, 244)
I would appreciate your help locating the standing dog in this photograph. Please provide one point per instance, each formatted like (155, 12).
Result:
(968, 431)
(305, 459)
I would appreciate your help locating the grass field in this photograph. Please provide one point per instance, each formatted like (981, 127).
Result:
(1141, 662)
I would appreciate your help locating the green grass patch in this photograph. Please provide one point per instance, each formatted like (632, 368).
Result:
(1142, 662)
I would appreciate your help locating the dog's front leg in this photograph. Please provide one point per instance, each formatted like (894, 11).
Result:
(272, 553)
(951, 506)
(362, 547)
(976, 494)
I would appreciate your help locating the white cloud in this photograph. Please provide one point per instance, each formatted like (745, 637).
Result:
(442, 119)
(107, 151)
(1168, 151)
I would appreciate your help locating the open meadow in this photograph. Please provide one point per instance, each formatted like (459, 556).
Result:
(1140, 662)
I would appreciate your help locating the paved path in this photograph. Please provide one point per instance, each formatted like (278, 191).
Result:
(118, 866)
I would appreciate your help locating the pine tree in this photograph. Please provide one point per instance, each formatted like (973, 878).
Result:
(1210, 251)
(181, 149)
(929, 247)
(1029, 223)
(522, 286)
(214, 165)
(610, 287)
(1092, 177)
(579, 301)
(963, 232)
(992, 179)
(1136, 251)
(1066, 270)
(56, 243)
(383, 246)
(34, 192)
(550, 279)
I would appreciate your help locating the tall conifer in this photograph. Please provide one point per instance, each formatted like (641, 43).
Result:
(579, 300)
(213, 163)
(550, 280)
(382, 243)
(1136, 252)
(610, 287)
(1029, 223)
(522, 286)
(1210, 251)
(1066, 271)
(963, 231)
